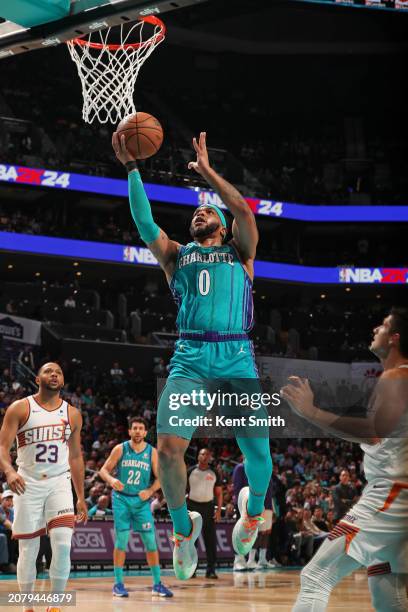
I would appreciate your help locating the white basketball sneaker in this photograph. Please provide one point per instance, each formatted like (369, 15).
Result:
(239, 564)
(185, 556)
(264, 565)
(246, 529)
(251, 565)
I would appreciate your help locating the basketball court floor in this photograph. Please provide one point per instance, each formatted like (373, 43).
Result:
(273, 590)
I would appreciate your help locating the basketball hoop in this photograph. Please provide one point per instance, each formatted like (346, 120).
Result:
(108, 72)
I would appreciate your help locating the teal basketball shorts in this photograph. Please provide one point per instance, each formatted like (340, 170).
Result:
(130, 513)
(204, 364)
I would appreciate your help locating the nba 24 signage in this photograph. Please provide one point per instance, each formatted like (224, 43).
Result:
(373, 275)
(34, 176)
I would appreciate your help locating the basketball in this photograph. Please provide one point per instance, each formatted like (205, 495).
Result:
(143, 133)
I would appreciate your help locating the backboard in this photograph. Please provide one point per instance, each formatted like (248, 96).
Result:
(84, 16)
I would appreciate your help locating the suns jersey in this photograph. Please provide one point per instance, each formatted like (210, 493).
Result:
(42, 441)
(212, 290)
(388, 459)
(134, 469)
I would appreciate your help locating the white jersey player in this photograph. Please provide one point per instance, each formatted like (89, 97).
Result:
(374, 532)
(47, 431)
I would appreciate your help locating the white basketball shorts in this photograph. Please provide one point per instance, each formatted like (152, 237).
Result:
(44, 505)
(376, 527)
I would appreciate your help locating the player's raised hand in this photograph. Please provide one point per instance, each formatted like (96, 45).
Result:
(116, 484)
(202, 164)
(121, 151)
(299, 396)
(16, 482)
(82, 511)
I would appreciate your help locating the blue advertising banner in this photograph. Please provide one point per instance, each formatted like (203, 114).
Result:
(118, 253)
(183, 196)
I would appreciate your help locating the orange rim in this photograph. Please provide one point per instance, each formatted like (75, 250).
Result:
(155, 21)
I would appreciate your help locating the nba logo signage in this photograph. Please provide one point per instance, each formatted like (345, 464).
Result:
(208, 197)
(373, 275)
(360, 275)
(139, 255)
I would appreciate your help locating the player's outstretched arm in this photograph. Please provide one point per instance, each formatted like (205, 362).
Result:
(164, 249)
(389, 411)
(15, 414)
(76, 462)
(244, 228)
(108, 467)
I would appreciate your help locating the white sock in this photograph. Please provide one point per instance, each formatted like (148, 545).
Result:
(262, 555)
(252, 555)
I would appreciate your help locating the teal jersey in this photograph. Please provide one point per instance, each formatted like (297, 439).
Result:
(212, 290)
(134, 469)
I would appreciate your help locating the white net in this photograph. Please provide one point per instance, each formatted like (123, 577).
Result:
(108, 72)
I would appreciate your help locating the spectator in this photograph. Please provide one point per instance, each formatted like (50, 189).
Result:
(91, 474)
(133, 381)
(3, 403)
(344, 495)
(26, 358)
(10, 308)
(87, 399)
(70, 302)
(204, 485)
(8, 556)
(330, 520)
(304, 538)
(6, 380)
(76, 398)
(117, 374)
(101, 507)
(160, 369)
(94, 494)
(318, 520)
(289, 542)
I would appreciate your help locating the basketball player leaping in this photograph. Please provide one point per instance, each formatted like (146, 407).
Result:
(49, 454)
(211, 281)
(134, 461)
(374, 533)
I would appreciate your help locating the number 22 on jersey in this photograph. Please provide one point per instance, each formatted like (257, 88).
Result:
(133, 477)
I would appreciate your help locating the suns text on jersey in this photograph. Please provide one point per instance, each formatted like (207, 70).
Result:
(44, 433)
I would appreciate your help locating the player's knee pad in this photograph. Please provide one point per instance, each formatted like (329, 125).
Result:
(388, 593)
(312, 578)
(121, 540)
(60, 538)
(27, 557)
(325, 569)
(149, 541)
